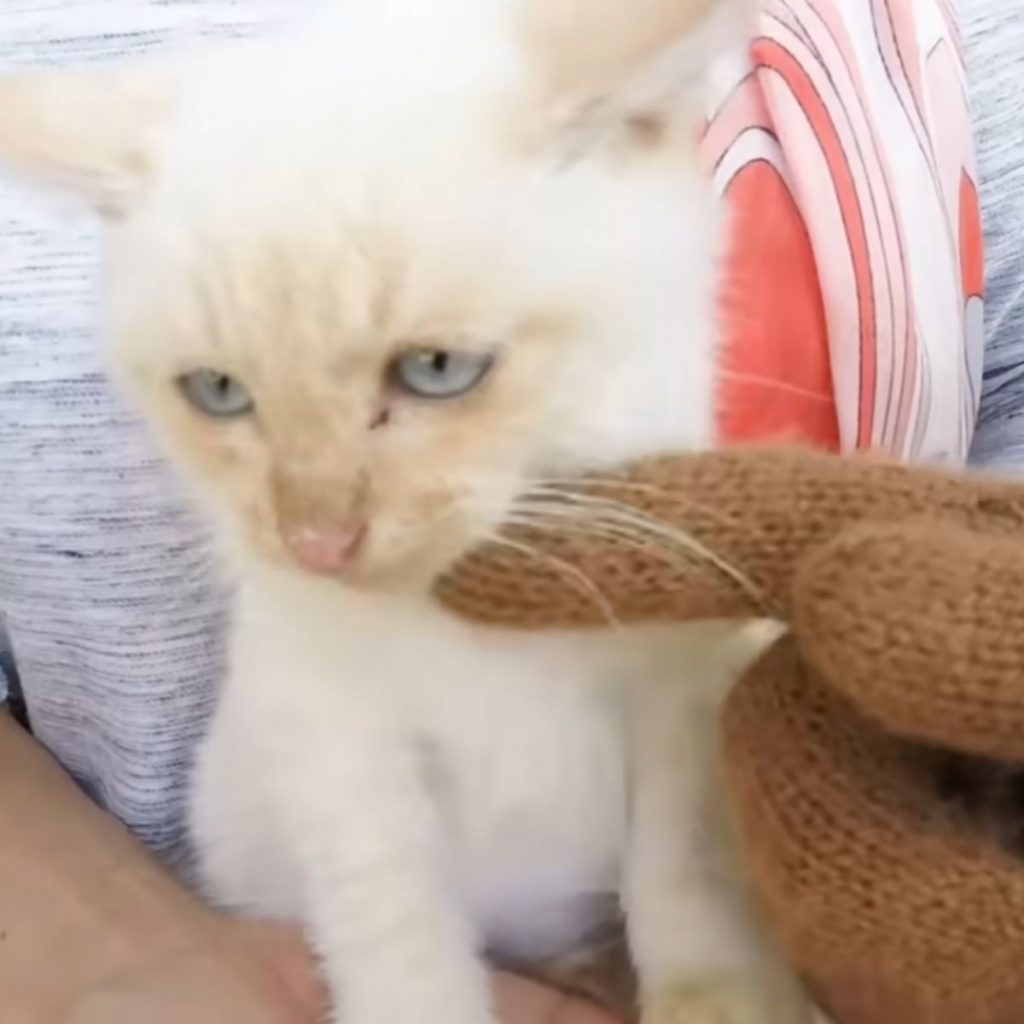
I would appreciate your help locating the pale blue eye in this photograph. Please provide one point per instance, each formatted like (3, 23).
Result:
(215, 394)
(439, 373)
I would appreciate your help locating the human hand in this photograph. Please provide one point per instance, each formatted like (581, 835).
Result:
(702, 536)
(521, 1001)
(96, 931)
(905, 664)
(904, 591)
(259, 972)
(233, 971)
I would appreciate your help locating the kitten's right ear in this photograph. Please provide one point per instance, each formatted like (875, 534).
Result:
(86, 132)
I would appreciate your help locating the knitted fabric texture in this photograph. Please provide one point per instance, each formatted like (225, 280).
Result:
(904, 591)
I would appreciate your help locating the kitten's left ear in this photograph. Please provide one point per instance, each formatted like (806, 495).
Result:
(86, 132)
(626, 57)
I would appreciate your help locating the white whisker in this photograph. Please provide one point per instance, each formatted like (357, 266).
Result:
(777, 385)
(613, 513)
(584, 583)
(562, 486)
(681, 562)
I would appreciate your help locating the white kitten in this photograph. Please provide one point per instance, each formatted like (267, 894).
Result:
(376, 285)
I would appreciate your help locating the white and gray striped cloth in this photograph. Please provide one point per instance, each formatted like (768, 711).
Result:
(105, 586)
(105, 581)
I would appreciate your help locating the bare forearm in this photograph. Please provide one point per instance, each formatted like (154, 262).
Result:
(79, 898)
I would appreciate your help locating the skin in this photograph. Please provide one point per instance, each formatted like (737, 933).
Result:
(524, 1002)
(132, 943)
(264, 974)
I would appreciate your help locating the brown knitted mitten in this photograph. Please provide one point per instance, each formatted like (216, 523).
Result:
(905, 592)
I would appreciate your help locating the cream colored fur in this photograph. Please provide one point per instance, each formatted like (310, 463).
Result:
(468, 174)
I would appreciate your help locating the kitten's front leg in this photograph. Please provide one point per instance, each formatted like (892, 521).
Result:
(699, 951)
(395, 944)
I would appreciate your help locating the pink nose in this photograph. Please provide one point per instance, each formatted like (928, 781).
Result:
(326, 550)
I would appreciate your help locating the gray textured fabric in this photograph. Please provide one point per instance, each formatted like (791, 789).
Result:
(104, 577)
(994, 33)
(6, 661)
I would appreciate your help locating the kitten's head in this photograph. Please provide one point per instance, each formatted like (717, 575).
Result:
(372, 280)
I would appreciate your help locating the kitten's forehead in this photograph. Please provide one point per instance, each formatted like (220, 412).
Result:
(340, 171)
(340, 260)
(297, 271)
(339, 297)
(360, 108)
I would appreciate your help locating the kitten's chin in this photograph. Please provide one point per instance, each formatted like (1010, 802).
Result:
(411, 575)
(386, 567)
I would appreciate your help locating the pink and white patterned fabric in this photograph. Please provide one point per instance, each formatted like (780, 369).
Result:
(852, 293)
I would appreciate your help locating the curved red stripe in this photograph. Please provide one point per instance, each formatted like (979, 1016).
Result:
(772, 56)
(972, 246)
(776, 375)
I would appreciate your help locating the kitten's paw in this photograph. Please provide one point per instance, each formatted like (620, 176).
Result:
(738, 999)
